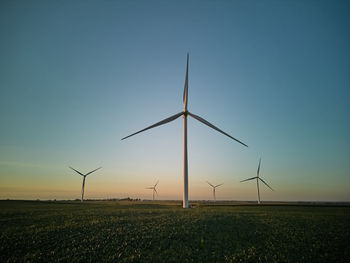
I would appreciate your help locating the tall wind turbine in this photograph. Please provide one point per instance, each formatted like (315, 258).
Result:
(214, 187)
(83, 175)
(154, 189)
(257, 181)
(185, 113)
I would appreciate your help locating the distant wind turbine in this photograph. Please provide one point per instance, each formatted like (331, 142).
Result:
(257, 181)
(214, 187)
(83, 175)
(185, 113)
(154, 189)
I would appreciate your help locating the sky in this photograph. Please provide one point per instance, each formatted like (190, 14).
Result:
(77, 76)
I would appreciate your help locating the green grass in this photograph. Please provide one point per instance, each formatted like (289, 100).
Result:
(164, 232)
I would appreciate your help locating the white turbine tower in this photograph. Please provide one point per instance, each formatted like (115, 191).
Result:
(257, 181)
(154, 189)
(185, 113)
(214, 187)
(83, 175)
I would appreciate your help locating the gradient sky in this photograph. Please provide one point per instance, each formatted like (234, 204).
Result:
(77, 76)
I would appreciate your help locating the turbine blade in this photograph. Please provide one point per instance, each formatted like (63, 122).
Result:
(218, 185)
(213, 127)
(149, 188)
(258, 171)
(76, 171)
(155, 190)
(210, 184)
(174, 117)
(185, 97)
(265, 183)
(248, 179)
(156, 183)
(93, 171)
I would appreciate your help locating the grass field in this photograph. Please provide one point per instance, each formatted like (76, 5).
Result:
(164, 232)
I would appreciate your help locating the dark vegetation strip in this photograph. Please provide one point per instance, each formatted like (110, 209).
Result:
(147, 232)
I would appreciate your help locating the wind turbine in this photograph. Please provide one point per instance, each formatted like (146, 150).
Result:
(83, 175)
(214, 187)
(257, 181)
(185, 113)
(154, 189)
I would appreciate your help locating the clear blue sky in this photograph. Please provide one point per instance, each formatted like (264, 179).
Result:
(77, 76)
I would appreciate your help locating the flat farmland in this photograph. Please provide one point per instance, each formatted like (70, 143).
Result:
(111, 231)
